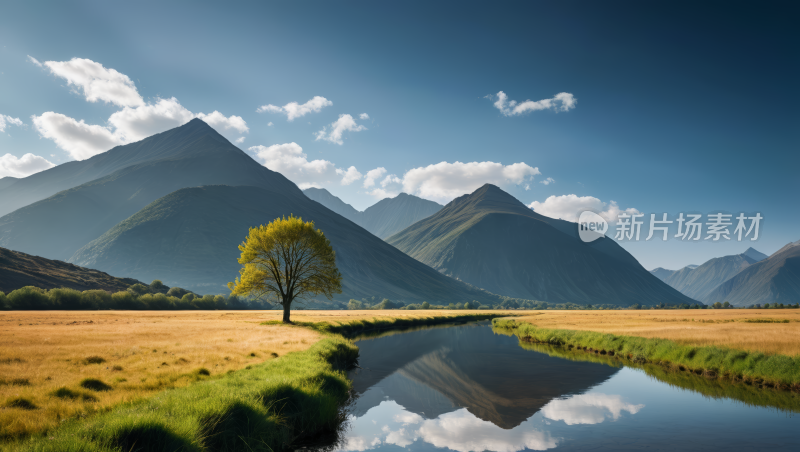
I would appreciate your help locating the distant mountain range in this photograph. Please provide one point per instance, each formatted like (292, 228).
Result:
(386, 217)
(775, 279)
(699, 281)
(491, 240)
(19, 270)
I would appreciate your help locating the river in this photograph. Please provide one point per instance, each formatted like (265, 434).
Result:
(469, 388)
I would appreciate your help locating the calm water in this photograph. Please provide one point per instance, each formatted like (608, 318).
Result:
(466, 388)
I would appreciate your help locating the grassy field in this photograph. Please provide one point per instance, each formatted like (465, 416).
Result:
(57, 365)
(754, 347)
(754, 330)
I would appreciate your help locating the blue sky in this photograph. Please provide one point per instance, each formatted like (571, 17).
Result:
(678, 107)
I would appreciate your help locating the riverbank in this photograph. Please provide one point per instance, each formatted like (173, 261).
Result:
(713, 362)
(266, 404)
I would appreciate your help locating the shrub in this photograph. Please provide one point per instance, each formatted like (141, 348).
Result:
(203, 371)
(19, 402)
(29, 298)
(425, 305)
(95, 299)
(205, 303)
(94, 384)
(3, 301)
(139, 289)
(124, 300)
(65, 298)
(354, 304)
(94, 360)
(177, 292)
(158, 287)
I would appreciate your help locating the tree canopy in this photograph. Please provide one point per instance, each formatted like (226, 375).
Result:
(285, 260)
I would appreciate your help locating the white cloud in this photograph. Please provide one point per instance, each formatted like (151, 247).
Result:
(591, 408)
(79, 139)
(559, 102)
(97, 82)
(569, 207)
(391, 179)
(270, 124)
(290, 160)
(444, 181)
(221, 123)
(344, 123)
(8, 121)
(373, 175)
(34, 61)
(239, 140)
(363, 116)
(349, 176)
(294, 110)
(135, 121)
(464, 432)
(134, 124)
(24, 166)
(547, 181)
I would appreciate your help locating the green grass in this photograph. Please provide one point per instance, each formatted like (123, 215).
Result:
(712, 362)
(265, 408)
(714, 388)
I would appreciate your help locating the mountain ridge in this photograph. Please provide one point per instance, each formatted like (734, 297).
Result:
(491, 240)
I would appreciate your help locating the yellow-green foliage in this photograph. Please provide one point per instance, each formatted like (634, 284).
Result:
(287, 259)
(756, 367)
(266, 407)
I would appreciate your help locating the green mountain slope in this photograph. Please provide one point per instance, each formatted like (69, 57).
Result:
(187, 156)
(189, 238)
(19, 270)
(384, 218)
(491, 240)
(775, 279)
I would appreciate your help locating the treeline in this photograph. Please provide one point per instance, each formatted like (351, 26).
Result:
(156, 296)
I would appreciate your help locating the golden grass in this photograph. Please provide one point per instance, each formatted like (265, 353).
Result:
(142, 352)
(732, 328)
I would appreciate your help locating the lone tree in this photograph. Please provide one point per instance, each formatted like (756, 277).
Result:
(285, 260)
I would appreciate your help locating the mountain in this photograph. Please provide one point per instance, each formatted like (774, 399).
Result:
(19, 270)
(662, 273)
(7, 181)
(491, 240)
(755, 255)
(189, 238)
(325, 198)
(187, 156)
(699, 281)
(774, 279)
(386, 217)
(174, 143)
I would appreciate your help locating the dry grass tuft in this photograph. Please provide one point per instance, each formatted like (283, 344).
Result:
(767, 331)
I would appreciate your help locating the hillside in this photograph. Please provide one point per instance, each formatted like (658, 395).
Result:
(698, 281)
(189, 238)
(491, 240)
(384, 218)
(19, 270)
(187, 156)
(775, 279)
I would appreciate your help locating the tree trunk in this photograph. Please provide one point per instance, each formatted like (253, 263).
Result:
(286, 311)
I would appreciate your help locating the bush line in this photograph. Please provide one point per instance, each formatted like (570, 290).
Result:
(779, 371)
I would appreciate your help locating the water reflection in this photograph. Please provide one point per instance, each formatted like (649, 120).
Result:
(468, 389)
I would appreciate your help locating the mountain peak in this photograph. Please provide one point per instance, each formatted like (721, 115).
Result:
(754, 254)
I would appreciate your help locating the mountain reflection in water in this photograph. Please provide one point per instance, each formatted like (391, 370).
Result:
(467, 389)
